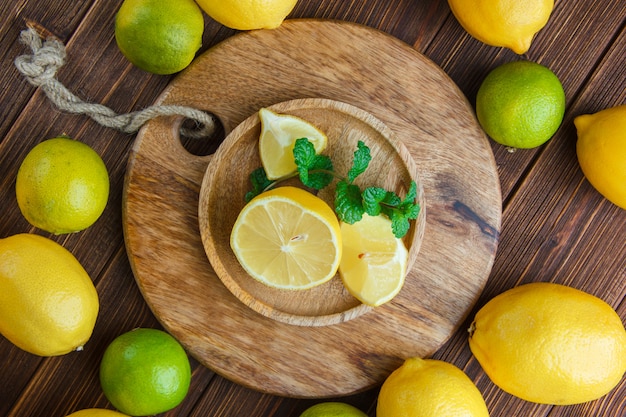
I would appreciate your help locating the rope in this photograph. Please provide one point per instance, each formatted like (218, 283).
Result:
(48, 56)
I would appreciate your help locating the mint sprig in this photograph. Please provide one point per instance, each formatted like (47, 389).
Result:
(351, 202)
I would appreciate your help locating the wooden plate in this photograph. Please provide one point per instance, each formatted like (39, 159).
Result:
(226, 183)
(370, 70)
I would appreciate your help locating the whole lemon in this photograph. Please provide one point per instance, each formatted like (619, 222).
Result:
(96, 412)
(332, 409)
(48, 303)
(429, 388)
(520, 104)
(62, 186)
(159, 36)
(601, 151)
(549, 343)
(145, 372)
(248, 14)
(507, 23)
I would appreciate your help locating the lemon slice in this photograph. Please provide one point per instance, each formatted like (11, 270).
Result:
(374, 261)
(279, 133)
(287, 238)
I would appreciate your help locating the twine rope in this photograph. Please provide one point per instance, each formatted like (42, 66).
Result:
(40, 69)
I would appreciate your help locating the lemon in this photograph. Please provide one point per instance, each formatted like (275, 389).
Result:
(601, 151)
(248, 14)
(96, 412)
(145, 372)
(332, 409)
(429, 388)
(549, 343)
(520, 104)
(374, 262)
(507, 23)
(159, 36)
(288, 238)
(279, 133)
(62, 186)
(48, 303)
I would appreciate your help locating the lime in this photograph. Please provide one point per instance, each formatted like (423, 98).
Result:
(96, 412)
(248, 14)
(159, 36)
(333, 409)
(601, 151)
(48, 303)
(429, 388)
(62, 186)
(549, 343)
(520, 104)
(511, 24)
(145, 372)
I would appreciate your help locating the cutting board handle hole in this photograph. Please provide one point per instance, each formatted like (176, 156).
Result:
(203, 146)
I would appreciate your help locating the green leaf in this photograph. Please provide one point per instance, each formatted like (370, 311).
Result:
(315, 170)
(360, 161)
(260, 183)
(348, 202)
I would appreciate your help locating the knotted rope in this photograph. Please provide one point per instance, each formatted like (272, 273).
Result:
(48, 56)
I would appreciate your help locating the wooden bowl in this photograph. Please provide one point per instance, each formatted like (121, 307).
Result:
(226, 181)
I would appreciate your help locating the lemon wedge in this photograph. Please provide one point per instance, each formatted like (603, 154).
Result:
(288, 238)
(279, 133)
(374, 262)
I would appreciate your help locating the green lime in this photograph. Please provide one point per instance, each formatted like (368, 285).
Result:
(159, 36)
(332, 409)
(520, 104)
(145, 372)
(62, 186)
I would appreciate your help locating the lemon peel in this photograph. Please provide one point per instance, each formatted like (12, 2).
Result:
(503, 23)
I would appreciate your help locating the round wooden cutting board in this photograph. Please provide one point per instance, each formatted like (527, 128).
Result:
(370, 70)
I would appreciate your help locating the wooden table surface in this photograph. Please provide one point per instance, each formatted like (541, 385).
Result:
(555, 226)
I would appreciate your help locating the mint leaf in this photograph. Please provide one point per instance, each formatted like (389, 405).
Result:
(315, 170)
(260, 183)
(360, 161)
(348, 202)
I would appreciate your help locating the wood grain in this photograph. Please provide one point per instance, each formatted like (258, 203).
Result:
(427, 115)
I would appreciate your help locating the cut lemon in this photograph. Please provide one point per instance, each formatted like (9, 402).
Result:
(288, 238)
(279, 133)
(374, 261)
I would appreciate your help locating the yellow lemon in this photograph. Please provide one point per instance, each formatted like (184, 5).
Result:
(506, 23)
(374, 261)
(549, 343)
(48, 303)
(429, 388)
(248, 14)
(145, 372)
(520, 104)
(159, 36)
(96, 412)
(601, 150)
(288, 238)
(279, 133)
(62, 186)
(333, 409)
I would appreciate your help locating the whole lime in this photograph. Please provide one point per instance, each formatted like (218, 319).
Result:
(159, 36)
(62, 186)
(520, 104)
(333, 409)
(145, 372)
(96, 412)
